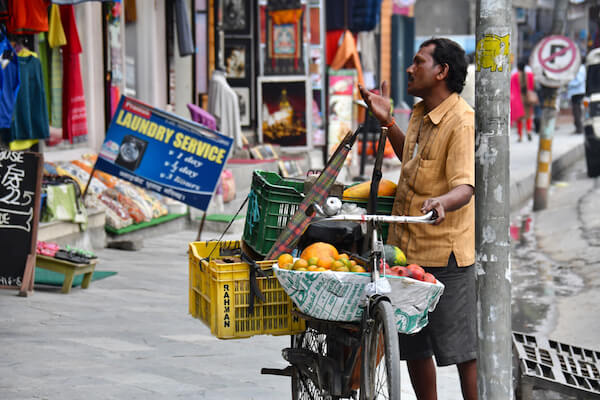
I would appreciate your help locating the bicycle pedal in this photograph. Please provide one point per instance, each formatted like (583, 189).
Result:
(298, 356)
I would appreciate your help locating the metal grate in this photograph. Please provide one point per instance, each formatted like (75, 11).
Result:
(551, 365)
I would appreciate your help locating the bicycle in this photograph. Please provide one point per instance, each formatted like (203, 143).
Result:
(324, 359)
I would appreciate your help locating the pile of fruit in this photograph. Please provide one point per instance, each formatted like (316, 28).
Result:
(319, 257)
(411, 271)
(395, 256)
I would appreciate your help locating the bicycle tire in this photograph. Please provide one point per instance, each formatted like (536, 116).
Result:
(303, 387)
(380, 377)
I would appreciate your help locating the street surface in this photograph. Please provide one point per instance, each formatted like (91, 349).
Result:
(130, 336)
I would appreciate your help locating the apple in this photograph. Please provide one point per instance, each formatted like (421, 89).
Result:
(416, 272)
(429, 278)
(400, 270)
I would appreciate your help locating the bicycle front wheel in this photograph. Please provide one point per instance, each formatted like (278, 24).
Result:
(380, 378)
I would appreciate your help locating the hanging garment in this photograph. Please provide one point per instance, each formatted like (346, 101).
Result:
(43, 52)
(332, 42)
(367, 47)
(9, 83)
(56, 88)
(31, 113)
(74, 122)
(72, 2)
(223, 104)
(347, 56)
(365, 15)
(56, 33)
(28, 17)
(184, 33)
(20, 145)
(4, 11)
(338, 14)
(67, 17)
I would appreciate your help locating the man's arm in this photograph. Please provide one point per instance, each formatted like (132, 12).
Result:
(451, 201)
(380, 107)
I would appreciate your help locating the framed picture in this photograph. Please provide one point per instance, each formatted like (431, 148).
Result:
(284, 113)
(263, 152)
(290, 168)
(236, 17)
(238, 61)
(244, 102)
(283, 35)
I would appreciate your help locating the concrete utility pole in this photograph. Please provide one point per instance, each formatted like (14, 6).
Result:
(492, 198)
(543, 173)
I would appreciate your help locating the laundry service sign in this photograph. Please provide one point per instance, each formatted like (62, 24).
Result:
(163, 152)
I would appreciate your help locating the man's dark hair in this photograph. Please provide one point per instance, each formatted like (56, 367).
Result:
(449, 52)
(521, 64)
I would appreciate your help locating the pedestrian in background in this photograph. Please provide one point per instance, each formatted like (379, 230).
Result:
(522, 98)
(576, 91)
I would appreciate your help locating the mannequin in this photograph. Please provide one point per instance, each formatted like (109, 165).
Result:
(223, 104)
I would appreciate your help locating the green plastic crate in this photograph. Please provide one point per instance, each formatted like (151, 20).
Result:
(274, 200)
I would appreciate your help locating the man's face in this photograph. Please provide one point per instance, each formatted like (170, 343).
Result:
(423, 73)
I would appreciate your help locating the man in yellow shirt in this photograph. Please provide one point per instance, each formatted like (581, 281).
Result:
(438, 173)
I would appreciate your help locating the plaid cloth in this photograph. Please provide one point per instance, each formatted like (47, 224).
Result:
(296, 225)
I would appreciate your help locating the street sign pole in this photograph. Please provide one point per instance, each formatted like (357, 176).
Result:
(555, 61)
(492, 198)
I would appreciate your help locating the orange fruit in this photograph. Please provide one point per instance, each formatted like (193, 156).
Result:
(343, 256)
(325, 262)
(357, 268)
(352, 263)
(319, 250)
(313, 261)
(286, 266)
(284, 259)
(312, 268)
(342, 268)
(337, 264)
(300, 269)
(321, 269)
(300, 263)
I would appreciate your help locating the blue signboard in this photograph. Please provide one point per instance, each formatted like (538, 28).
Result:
(164, 153)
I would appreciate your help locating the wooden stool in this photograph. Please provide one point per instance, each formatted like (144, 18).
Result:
(69, 269)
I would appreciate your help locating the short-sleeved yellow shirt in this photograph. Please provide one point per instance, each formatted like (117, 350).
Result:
(443, 159)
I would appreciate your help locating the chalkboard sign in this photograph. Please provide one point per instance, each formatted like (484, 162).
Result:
(20, 186)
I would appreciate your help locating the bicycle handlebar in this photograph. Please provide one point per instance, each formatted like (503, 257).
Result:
(428, 218)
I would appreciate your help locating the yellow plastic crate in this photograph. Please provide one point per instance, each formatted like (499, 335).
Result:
(220, 292)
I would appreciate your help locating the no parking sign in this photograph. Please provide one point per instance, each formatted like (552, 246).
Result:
(555, 61)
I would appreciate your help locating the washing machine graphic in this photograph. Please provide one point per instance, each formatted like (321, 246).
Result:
(131, 152)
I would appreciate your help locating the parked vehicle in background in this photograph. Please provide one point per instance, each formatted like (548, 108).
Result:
(591, 122)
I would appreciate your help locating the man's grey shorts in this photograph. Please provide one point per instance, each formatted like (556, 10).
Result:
(451, 334)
